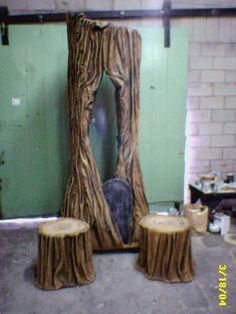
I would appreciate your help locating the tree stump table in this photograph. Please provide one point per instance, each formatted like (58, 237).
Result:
(64, 254)
(165, 249)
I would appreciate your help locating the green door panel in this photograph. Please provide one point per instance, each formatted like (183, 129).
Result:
(162, 125)
(34, 135)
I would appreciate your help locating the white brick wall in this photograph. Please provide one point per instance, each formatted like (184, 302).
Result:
(229, 153)
(212, 76)
(210, 128)
(199, 62)
(223, 115)
(230, 102)
(199, 89)
(212, 102)
(212, 52)
(224, 30)
(222, 140)
(225, 63)
(223, 166)
(212, 49)
(194, 130)
(209, 153)
(40, 5)
(229, 128)
(127, 5)
(199, 141)
(193, 103)
(200, 116)
(194, 76)
(230, 76)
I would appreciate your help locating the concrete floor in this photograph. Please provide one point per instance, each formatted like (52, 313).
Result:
(119, 288)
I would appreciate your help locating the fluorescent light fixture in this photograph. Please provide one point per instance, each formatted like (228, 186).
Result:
(27, 220)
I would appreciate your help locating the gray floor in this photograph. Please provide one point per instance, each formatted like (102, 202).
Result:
(119, 288)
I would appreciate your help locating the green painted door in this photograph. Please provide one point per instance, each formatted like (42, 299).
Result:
(163, 115)
(34, 132)
(34, 135)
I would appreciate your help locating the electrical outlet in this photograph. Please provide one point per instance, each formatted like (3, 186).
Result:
(16, 101)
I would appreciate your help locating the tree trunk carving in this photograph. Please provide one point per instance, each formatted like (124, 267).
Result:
(95, 47)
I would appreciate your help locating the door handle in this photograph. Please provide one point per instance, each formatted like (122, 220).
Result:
(2, 159)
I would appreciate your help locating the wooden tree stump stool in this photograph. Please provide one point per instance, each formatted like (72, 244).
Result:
(64, 254)
(165, 248)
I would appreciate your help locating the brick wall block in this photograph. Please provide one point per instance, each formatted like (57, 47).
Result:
(198, 167)
(210, 128)
(75, 5)
(223, 115)
(94, 5)
(212, 76)
(13, 5)
(200, 89)
(187, 23)
(193, 102)
(212, 102)
(3, 3)
(222, 140)
(204, 62)
(212, 49)
(200, 115)
(222, 166)
(212, 30)
(229, 128)
(230, 48)
(224, 89)
(233, 30)
(230, 102)
(224, 63)
(202, 3)
(192, 129)
(194, 76)
(224, 29)
(127, 5)
(199, 141)
(194, 49)
(41, 5)
(199, 26)
(199, 170)
(229, 153)
(206, 153)
(202, 163)
(230, 76)
(151, 4)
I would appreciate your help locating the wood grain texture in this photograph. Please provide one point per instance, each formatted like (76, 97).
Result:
(64, 254)
(95, 47)
(165, 249)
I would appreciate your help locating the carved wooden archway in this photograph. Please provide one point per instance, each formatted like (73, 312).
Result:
(95, 47)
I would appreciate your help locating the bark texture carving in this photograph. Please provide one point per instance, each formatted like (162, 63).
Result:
(95, 47)
(65, 256)
(165, 249)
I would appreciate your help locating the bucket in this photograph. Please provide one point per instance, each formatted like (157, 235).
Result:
(197, 215)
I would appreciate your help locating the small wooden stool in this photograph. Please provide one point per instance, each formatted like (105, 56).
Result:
(64, 254)
(165, 248)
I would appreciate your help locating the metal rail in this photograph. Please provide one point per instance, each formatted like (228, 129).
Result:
(166, 13)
